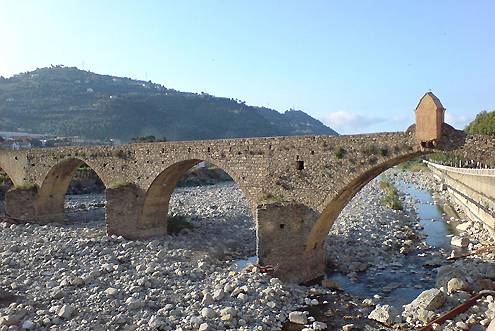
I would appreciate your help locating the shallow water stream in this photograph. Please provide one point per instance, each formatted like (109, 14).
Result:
(399, 283)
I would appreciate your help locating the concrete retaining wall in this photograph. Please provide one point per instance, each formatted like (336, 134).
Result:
(472, 189)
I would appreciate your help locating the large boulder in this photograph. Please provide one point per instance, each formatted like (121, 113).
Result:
(430, 300)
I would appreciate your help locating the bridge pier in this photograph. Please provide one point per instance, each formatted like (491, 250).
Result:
(124, 208)
(20, 206)
(282, 232)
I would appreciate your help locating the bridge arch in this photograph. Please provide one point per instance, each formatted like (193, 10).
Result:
(157, 197)
(9, 166)
(335, 204)
(51, 194)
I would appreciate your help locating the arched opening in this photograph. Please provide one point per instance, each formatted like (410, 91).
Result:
(388, 253)
(71, 191)
(334, 206)
(205, 202)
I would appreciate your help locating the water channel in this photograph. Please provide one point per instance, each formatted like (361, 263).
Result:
(399, 283)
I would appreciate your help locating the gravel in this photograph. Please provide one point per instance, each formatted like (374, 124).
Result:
(74, 277)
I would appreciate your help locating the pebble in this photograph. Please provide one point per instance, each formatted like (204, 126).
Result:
(66, 312)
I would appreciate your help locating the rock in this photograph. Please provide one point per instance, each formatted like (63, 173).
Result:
(10, 319)
(196, 321)
(208, 313)
(111, 291)
(57, 293)
(27, 325)
(218, 294)
(425, 315)
(463, 226)
(133, 303)
(228, 311)
(319, 326)
(349, 327)
(271, 304)
(446, 273)
(298, 317)
(368, 302)
(203, 327)
(161, 254)
(77, 281)
(66, 312)
(456, 284)
(486, 284)
(207, 299)
(491, 326)
(155, 322)
(430, 300)
(385, 314)
(486, 270)
(459, 241)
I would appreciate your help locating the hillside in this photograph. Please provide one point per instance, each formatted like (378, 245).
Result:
(71, 102)
(484, 123)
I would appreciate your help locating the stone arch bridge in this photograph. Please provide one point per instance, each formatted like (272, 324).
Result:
(296, 186)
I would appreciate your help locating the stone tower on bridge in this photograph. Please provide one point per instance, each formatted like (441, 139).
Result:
(430, 115)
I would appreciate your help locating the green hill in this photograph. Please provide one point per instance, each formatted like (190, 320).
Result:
(71, 102)
(484, 123)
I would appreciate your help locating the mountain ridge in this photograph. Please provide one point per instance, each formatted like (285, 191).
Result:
(67, 101)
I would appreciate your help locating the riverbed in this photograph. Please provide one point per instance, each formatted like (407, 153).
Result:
(376, 255)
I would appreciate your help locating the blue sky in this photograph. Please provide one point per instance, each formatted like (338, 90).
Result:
(359, 66)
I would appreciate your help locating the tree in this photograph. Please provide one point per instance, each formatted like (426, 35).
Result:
(484, 123)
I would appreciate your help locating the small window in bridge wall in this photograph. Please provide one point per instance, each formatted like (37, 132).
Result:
(300, 165)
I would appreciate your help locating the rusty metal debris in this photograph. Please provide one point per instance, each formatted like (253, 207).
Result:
(457, 310)
(268, 269)
(478, 251)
